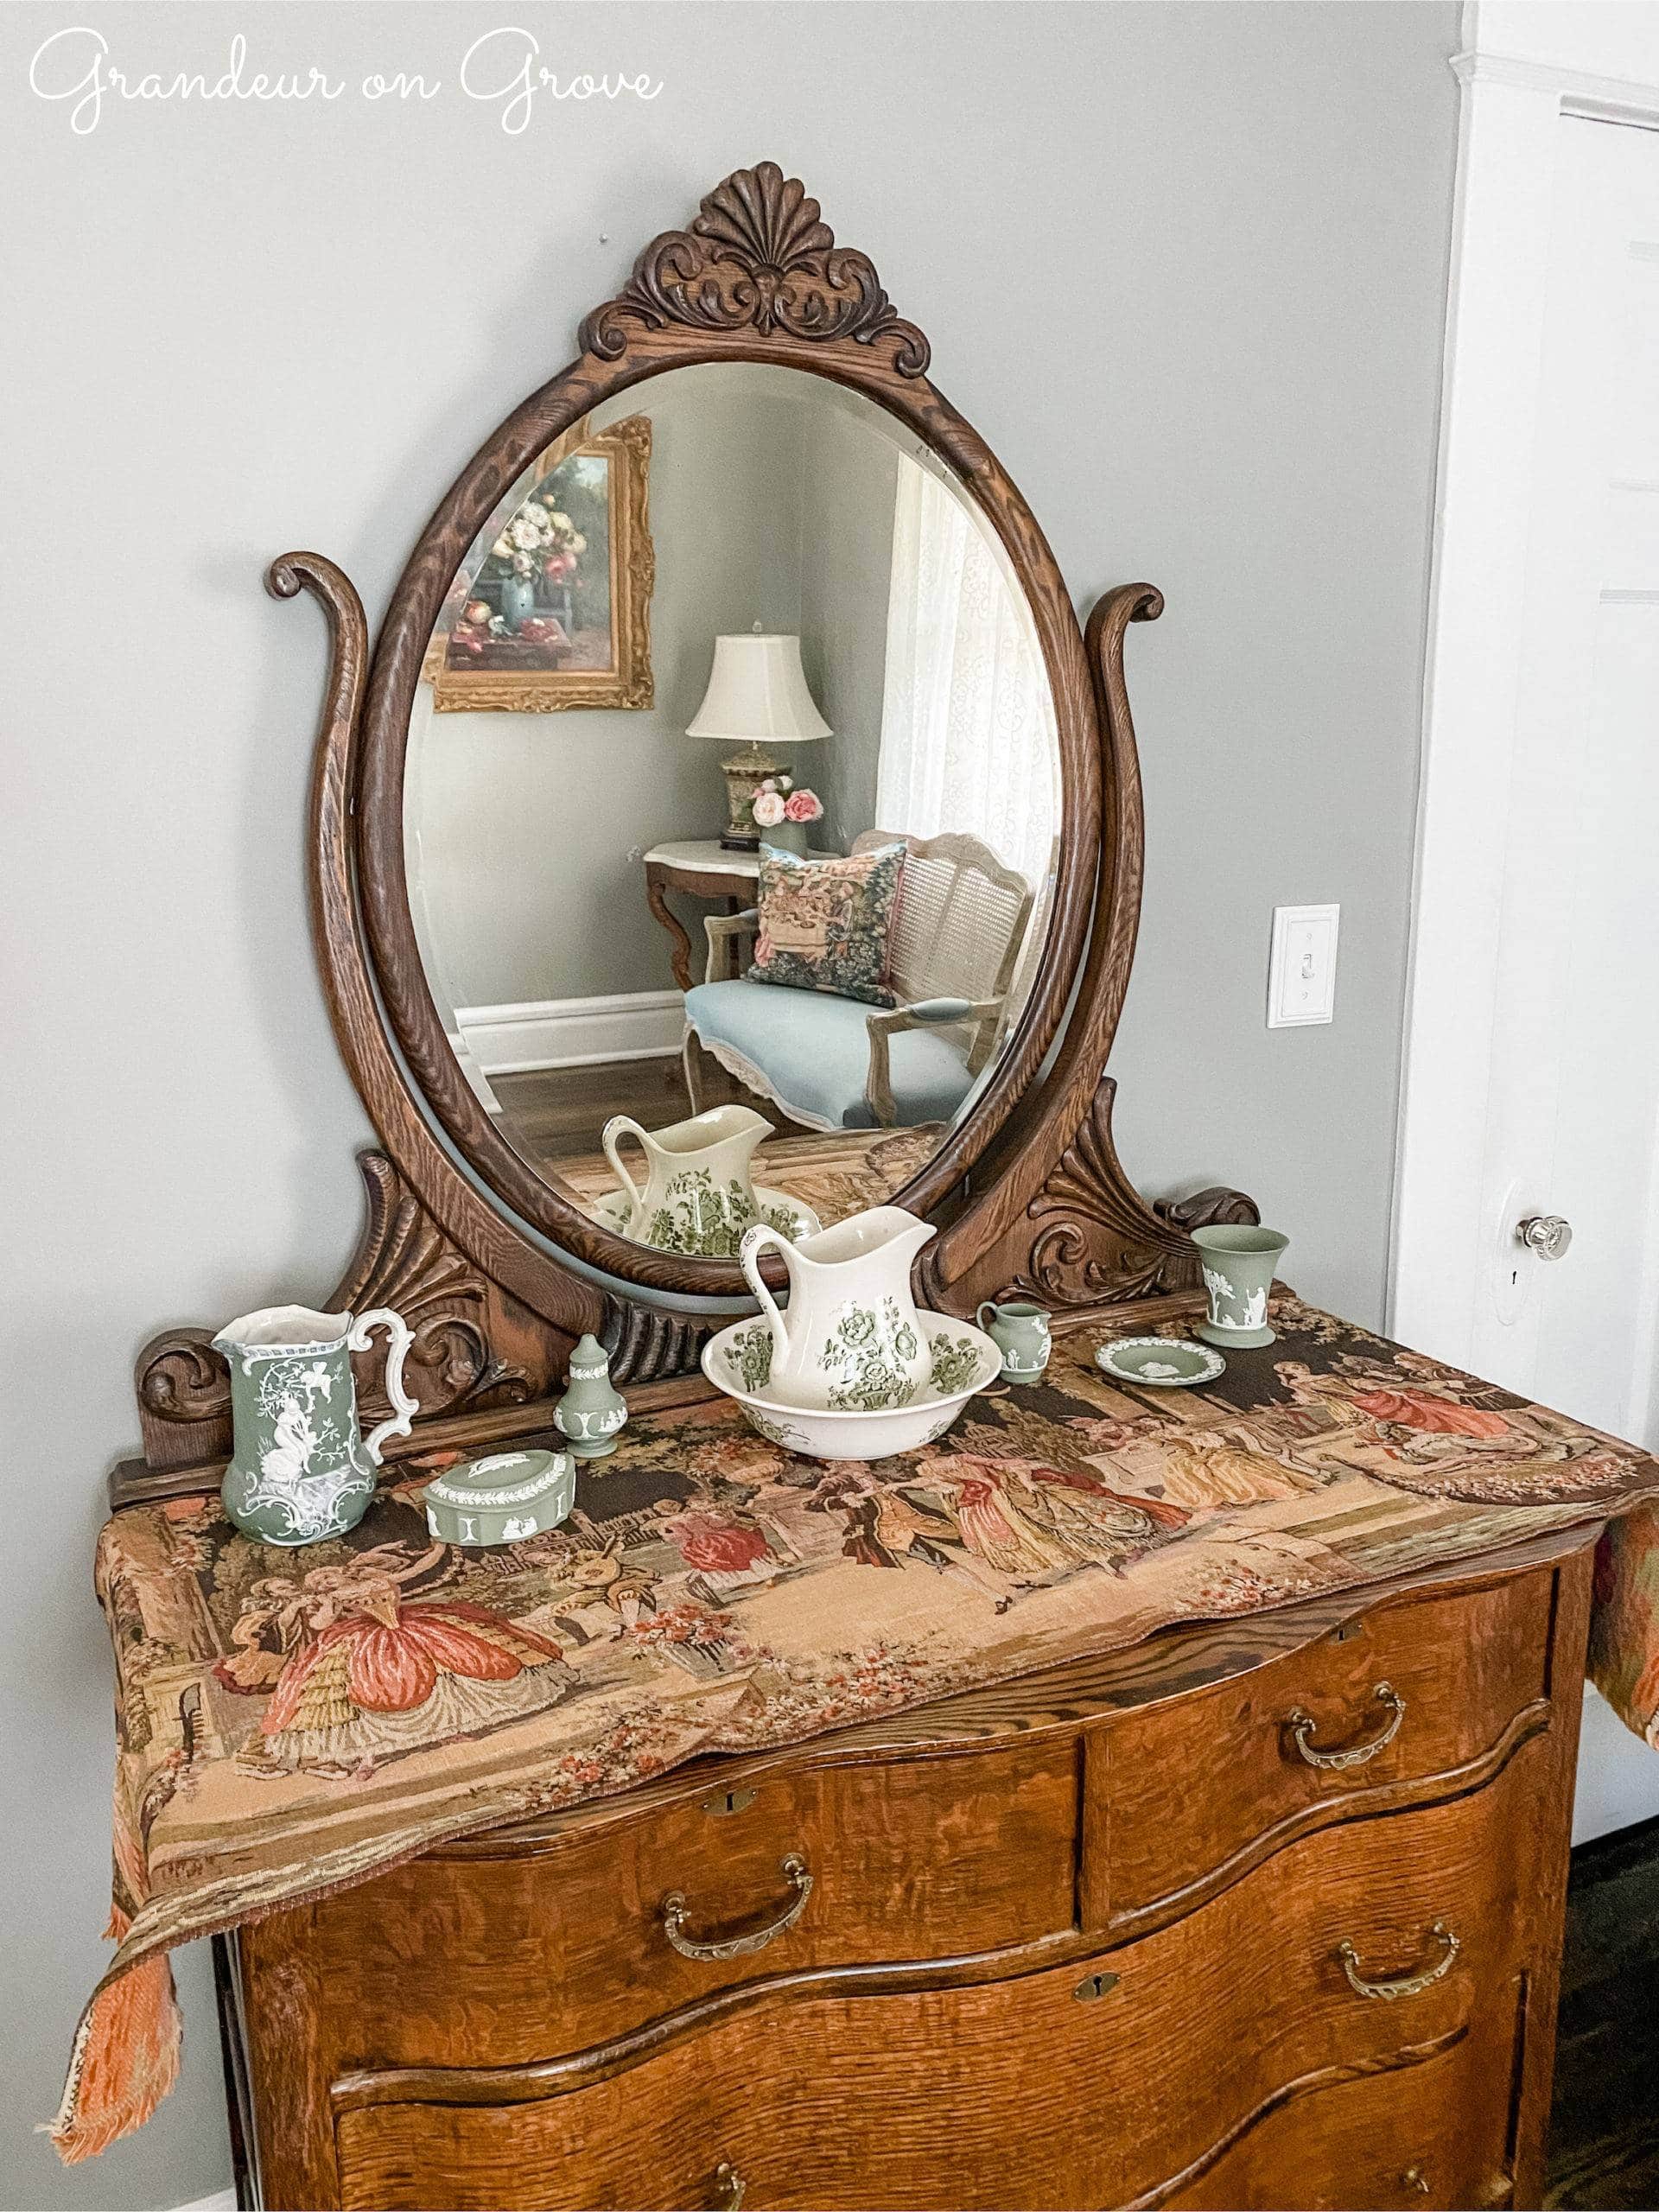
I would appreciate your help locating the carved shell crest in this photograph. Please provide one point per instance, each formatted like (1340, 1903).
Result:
(758, 256)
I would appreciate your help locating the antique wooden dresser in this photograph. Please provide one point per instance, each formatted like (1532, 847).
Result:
(1264, 1914)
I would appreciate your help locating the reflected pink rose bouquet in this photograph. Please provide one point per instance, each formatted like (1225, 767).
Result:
(781, 799)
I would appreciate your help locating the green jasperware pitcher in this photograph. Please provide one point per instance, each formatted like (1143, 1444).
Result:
(301, 1469)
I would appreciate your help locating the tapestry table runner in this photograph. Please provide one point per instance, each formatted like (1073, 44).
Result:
(289, 1722)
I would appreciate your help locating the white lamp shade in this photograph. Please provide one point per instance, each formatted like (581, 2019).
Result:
(757, 692)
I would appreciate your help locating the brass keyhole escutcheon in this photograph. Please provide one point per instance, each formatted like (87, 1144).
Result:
(728, 1801)
(1093, 1986)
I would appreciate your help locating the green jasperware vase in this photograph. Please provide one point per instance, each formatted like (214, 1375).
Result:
(1238, 1269)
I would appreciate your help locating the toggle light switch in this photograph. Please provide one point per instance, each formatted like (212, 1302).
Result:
(1302, 967)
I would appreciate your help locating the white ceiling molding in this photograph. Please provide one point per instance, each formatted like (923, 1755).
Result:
(1610, 99)
(1599, 41)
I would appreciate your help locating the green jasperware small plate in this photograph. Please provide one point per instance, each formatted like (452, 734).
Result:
(1166, 1362)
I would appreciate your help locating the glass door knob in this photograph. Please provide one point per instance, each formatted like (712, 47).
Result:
(1546, 1234)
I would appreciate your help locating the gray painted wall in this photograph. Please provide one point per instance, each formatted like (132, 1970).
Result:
(1183, 266)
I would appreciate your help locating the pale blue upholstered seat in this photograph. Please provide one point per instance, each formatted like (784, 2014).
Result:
(811, 1054)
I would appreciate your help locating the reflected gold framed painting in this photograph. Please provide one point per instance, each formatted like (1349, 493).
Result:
(551, 609)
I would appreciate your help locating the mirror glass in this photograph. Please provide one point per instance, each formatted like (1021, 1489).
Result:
(733, 803)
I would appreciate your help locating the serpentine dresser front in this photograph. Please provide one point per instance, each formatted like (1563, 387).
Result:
(1261, 1914)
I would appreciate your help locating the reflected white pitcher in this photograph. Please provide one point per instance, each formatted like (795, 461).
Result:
(697, 1196)
(853, 1338)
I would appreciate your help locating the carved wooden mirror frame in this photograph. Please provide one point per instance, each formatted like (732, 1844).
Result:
(1028, 1190)
(757, 278)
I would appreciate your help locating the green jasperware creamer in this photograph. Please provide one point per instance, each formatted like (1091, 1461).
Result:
(501, 1499)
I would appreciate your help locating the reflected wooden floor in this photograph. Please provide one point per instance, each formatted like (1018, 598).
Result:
(557, 1111)
(1604, 2149)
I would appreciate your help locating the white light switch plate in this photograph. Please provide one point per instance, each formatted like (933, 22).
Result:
(1302, 969)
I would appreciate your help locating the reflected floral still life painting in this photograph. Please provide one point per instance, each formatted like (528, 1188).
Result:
(551, 609)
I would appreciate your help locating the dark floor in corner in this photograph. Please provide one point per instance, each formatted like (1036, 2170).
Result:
(1603, 2151)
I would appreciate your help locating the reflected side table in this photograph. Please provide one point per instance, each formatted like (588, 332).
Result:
(706, 869)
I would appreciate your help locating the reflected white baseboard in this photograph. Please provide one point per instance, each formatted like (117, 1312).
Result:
(474, 1074)
(540, 1033)
(223, 2200)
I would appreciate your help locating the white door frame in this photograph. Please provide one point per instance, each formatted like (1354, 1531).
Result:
(1525, 65)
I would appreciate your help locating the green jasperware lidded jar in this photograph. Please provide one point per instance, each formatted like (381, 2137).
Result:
(501, 1499)
(593, 1409)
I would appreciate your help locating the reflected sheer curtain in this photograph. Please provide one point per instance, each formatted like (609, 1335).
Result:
(968, 737)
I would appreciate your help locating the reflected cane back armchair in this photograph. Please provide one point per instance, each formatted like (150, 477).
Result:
(958, 931)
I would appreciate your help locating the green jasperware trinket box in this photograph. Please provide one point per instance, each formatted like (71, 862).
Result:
(503, 1498)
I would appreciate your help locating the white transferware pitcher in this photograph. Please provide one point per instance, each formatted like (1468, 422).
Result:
(854, 1339)
(697, 1196)
(300, 1468)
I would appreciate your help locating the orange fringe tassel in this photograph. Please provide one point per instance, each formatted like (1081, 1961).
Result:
(125, 2059)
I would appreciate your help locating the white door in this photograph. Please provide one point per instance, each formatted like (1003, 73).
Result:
(1573, 1102)
(1571, 1089)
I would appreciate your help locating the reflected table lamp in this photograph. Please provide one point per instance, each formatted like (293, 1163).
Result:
(757, 700)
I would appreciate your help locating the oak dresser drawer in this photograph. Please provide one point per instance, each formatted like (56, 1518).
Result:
(1427, 2137)
(1362, 1955)
(1419, 1698)
(501, 1951)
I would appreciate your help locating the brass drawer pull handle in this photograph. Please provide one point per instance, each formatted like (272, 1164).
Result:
(676, 1914)
(1408, 1984)
(1301, 1725)
(1414, 2178)
(730, 2182)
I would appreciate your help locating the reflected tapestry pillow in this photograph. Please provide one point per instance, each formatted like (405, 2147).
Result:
(825, 925)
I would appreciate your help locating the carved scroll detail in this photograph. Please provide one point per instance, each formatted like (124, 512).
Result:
(407, 1263)
(1094, 1240)
(758, 256)
(181, 1378)
(1215, 1208)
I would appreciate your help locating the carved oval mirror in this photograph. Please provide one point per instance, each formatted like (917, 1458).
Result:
(729, 798)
